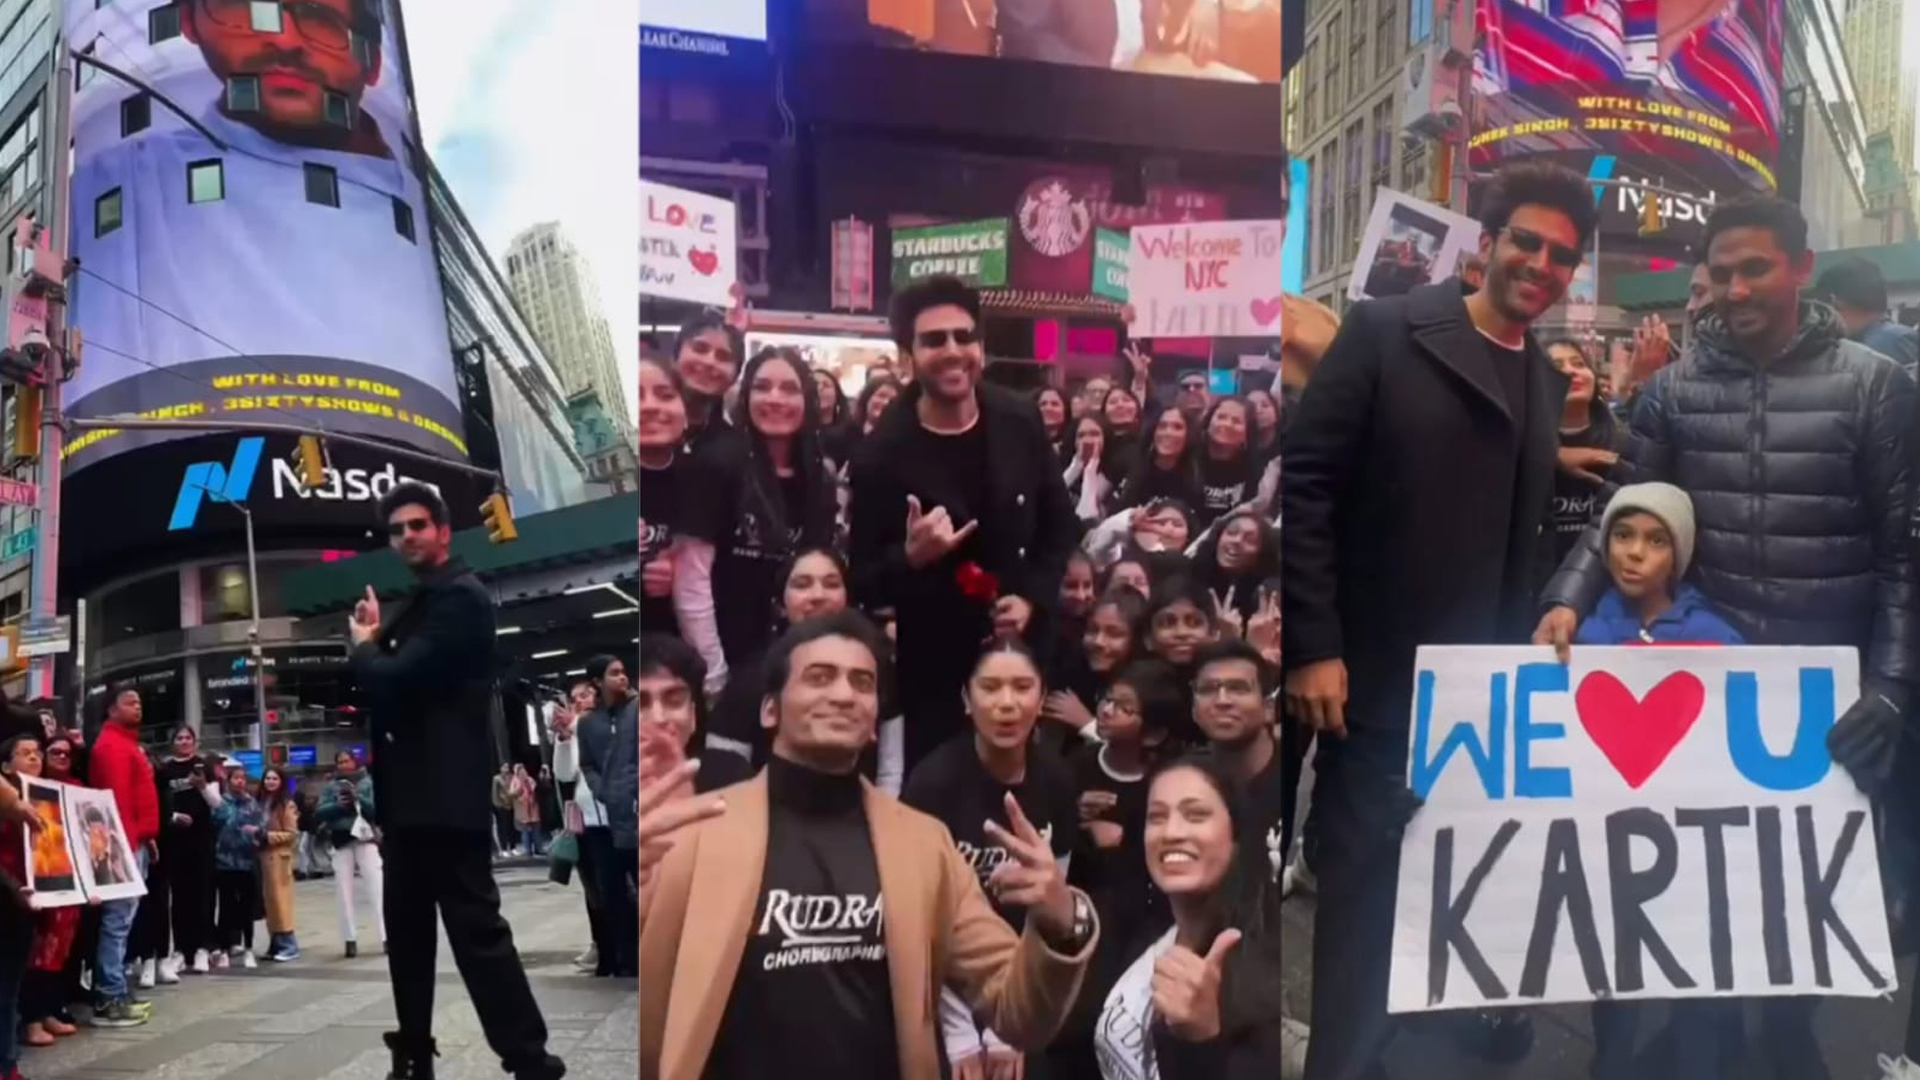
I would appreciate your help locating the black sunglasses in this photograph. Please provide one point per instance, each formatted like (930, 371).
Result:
(933, 339)
(1531, 242)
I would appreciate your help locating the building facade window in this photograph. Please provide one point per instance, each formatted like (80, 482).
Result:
(206, 181)
(1384, 38)
(1324, 177)
(1419, 23)
(1351, 175)
(243, 93)
(1357, 59)
(1413, 168)
(323, 185)
(339, 111)
(163, 23)
(403, 220)
(1381, 175)
(106, 213)
(136, 113)
(1334, 87)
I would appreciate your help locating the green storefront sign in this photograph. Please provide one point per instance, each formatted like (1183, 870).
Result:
(973, 251)
(1110, 250)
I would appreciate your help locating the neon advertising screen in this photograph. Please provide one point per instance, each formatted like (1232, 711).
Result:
(1692, 83)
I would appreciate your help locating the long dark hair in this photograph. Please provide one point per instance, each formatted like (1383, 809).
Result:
(1246, 900)
(1140, 485)
(818, 498)
(1197, 441)
(277, 799)
(874, 383)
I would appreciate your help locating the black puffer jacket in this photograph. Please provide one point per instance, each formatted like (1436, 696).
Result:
(1800, 477)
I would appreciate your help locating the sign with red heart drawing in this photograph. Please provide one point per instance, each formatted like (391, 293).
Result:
(1609, 828)
(1205, 279)
(687, 245)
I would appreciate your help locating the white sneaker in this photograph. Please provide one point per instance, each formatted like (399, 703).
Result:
(146, 976)
(219, 959)
(1293, 1049)
(1297, 878)
(167, 972)
(248, 960)
(1901, 1068)
(199, 966)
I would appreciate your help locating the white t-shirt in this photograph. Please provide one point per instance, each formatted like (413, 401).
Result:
(1121, 1036)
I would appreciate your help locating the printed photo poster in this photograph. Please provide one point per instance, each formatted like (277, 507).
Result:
(1205, 279)
(1409, 242)
(1641, 823)
(97, 844)
(50, 867)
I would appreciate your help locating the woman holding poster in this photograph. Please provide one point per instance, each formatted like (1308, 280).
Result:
(54, 927)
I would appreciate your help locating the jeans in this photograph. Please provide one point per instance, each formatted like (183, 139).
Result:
(365, 857)
(530, 838)
(116, 923)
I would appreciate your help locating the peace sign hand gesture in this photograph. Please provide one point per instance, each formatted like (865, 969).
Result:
(1225, 614)
(1138, 359)
(1030, 878)
(932, 536)
(1186, 987)
(1263, 630)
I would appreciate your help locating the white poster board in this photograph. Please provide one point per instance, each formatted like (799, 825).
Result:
(81, 854)
(1640, 823)
(1409, 242)
(1205, 279)
(687, 245)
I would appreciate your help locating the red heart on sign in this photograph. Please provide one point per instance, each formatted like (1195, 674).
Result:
(704, 261)
(1265, 311)
(1637, 734)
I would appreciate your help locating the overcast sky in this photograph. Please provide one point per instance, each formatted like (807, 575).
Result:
(529, 107)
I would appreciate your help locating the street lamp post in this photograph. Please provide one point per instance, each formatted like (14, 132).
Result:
(259, 739)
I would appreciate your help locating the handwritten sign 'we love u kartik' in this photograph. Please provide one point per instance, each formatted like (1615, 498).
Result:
(1205, 279)
(1611, 827)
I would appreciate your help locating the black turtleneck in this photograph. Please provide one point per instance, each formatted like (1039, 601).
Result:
(813, 985)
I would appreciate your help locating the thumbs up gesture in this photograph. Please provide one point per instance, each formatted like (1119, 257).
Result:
(1186, 987)
(931, 536)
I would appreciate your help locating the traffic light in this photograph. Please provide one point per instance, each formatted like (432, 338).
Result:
(1650, 222)
(26, 421)
(313, 465)
(498, 515)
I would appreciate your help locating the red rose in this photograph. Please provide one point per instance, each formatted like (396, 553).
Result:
(976, 583)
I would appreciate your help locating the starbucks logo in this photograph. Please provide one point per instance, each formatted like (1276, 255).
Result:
(1052, 219)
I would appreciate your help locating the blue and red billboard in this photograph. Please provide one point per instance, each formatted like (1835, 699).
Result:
(1694, 84)
(252, 234)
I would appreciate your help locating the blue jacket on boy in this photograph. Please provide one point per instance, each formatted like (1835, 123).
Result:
(1690, 621)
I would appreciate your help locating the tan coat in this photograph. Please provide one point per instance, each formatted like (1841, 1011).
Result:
(696, 913)
(276, 867)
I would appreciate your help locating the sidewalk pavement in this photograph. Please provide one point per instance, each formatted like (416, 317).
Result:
(320, 1018)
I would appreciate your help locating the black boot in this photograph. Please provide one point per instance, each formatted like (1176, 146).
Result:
(411, 1060)
(547, 1068)
(353, 949)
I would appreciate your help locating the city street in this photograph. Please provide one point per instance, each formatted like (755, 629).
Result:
(321, 1018)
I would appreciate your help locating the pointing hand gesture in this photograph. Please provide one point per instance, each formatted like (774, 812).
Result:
(1186, 987)
(932, 536)
(1030, 878)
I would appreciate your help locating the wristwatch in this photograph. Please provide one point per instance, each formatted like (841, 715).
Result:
(1083, 926)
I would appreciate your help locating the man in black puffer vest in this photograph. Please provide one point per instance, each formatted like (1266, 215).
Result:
(1795, 446)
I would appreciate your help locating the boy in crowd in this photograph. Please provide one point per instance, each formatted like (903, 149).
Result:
(1649, 536)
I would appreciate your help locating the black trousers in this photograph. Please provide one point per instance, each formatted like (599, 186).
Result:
(1356, 861)
(152, 935)
(190, 887)
(615, 872)
(447, 875)
(596, 845)
(504, 830)
(238, 894)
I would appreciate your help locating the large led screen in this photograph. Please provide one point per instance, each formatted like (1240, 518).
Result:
(272, 260)
(1223, 40)
(1693, 83)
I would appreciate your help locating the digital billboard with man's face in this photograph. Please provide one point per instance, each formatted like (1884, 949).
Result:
(272, 260)
(1694, 84)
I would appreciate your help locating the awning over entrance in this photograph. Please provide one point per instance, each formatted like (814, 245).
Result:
(587, 535)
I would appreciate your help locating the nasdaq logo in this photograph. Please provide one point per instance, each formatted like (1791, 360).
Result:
(222, 483)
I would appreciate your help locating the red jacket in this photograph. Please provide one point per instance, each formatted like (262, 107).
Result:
(119, 765)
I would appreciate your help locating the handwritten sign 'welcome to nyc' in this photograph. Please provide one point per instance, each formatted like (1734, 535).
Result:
(1610, 828)
(1205, 279)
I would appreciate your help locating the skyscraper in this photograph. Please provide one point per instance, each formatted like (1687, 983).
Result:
(554, 286)
(1883, 77)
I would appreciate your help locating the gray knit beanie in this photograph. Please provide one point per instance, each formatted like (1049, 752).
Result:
(1666, 502)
